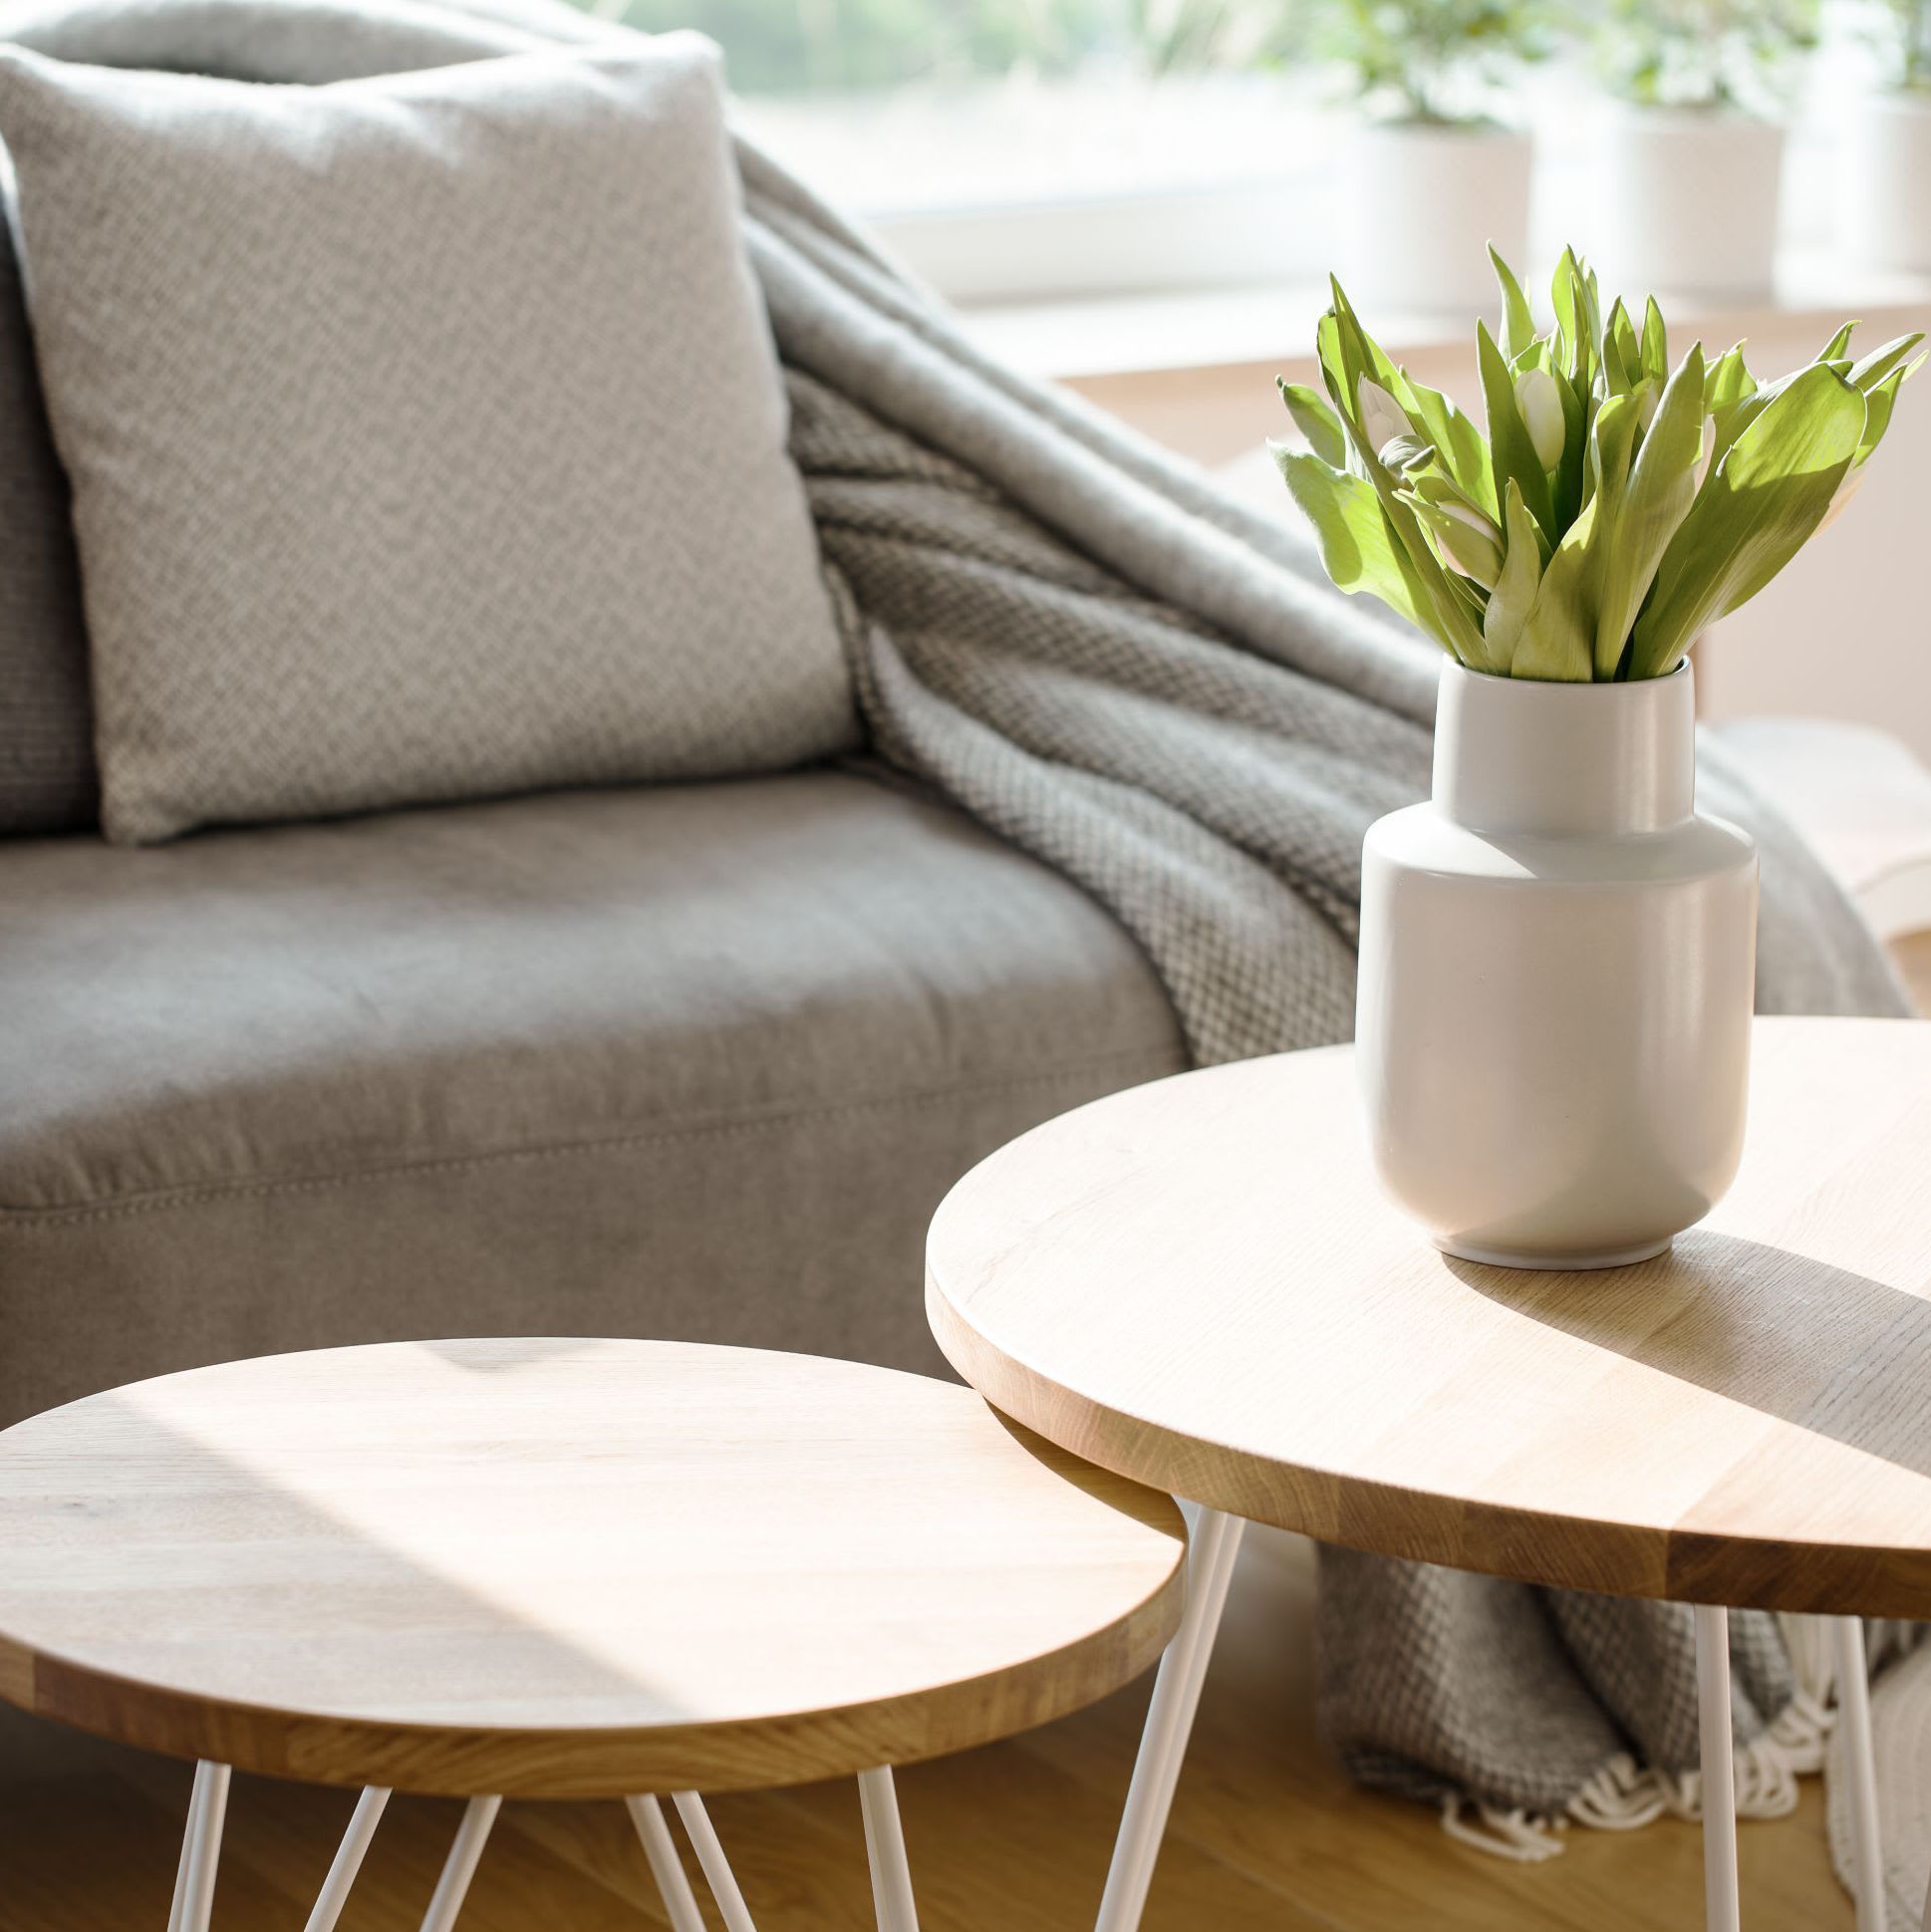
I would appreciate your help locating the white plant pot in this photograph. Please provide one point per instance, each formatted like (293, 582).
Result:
(1687, 201)
(1886, 182)
(1557, 970)
(1421, 203)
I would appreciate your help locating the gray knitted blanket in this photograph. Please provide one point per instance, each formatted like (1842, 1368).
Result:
(1153, 690)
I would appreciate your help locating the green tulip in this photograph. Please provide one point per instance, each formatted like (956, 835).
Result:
(1616, 504)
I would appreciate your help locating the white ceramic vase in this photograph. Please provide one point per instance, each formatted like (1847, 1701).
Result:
(1557, 970)
(1687, 201)
(1886, 182)
(1422, 201)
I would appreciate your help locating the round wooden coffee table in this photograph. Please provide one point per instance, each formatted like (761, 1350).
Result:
(564, 1569)
(1198, 1284)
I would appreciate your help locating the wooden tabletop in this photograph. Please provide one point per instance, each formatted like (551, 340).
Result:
(1198, 1284)
(565, 1569)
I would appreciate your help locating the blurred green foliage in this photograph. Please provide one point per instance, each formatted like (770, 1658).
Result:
(1906, 43)
(1426, 60)
(785, 46)
(1701, 53)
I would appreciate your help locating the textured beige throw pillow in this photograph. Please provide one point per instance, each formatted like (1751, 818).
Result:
(425, 432)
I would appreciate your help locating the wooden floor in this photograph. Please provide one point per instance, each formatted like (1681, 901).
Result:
(1267, 1835)
(1913, 955)
(1266, 1838)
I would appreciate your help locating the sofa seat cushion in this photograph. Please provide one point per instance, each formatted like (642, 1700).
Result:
(510, 980)
(637, 1060)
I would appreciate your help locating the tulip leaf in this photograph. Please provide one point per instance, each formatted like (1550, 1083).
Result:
(1613, 442)
(1655, 345)
(1458, 443)
(1359, 549)
(1517, 325)
(1360, 353)
(1662, 485)
(1569, 486)
(1317, 422)
(1348, 353)
(1327, 349)
(1555, 640)
(1515, 592)
(1730, 380)
(1735, 418)
(1878, 405)
(1512, 450)
(1881, 362)
(1472, 600)
(1616, 378)
(1371, 542)
(1573, 293)
(1450, 600)
(1757, 509)
(1838, 346)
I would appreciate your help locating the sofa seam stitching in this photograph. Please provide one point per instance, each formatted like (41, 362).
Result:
(196, 1193)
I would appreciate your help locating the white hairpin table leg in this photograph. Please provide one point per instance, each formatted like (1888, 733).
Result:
(674, 1887)
(710, 1856)
(1170, 1720)
(200, 1850)
(1722, 1911)
(885, 1847)
(347, 1859)
(460, 1866)
(1860, 1767)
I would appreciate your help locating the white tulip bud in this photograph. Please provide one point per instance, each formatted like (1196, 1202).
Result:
(1474, 549)
(1541, 403)
(1403, 452)
(1382, 417)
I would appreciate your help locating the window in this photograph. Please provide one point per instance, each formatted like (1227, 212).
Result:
(1035, 146)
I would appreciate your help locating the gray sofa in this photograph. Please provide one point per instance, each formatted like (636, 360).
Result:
(693, 1061)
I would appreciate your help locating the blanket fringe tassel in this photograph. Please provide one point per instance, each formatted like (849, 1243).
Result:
(1514, 1834)
(1625, 1795)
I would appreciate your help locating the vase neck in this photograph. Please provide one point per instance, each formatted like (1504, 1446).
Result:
(1512, 754)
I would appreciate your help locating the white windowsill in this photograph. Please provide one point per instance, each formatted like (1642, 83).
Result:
(1182, 331)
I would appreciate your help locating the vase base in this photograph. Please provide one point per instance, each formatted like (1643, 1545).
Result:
(1511, 1258)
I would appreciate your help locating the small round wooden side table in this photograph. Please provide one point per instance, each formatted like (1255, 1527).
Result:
(1198, 1284)
(564, 1569)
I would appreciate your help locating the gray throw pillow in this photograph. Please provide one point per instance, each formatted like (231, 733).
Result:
(425, 432)
(47, 779)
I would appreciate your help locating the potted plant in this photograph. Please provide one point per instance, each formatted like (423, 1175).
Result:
(1887, 150)
(1557, 951)
(1428, 177)
(1688, 154)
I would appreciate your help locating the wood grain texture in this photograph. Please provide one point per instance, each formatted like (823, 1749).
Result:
(560, 1569)
(1198, 1284)
(1267, 1835)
